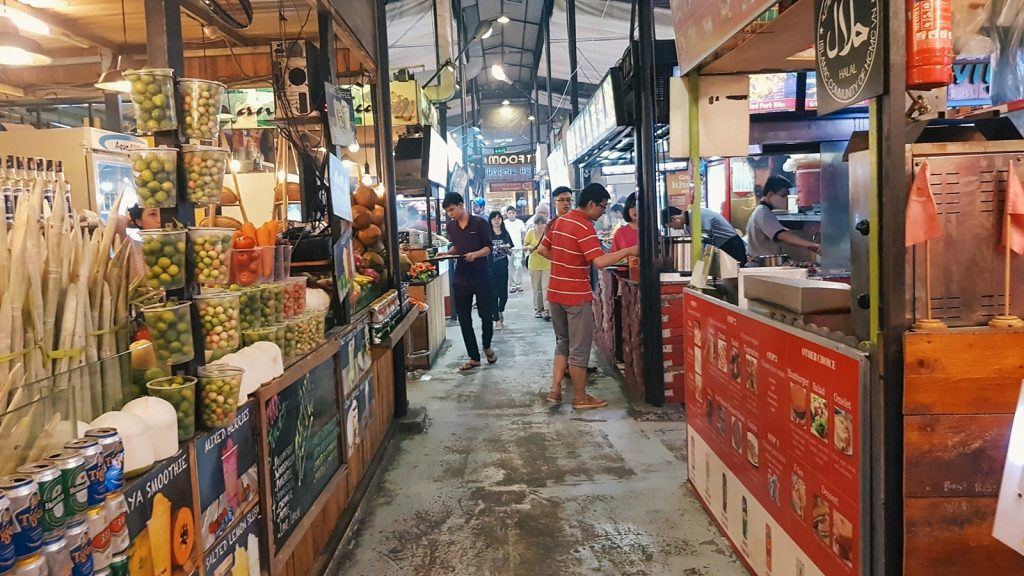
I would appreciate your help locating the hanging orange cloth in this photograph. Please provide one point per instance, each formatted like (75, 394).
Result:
(922, 215)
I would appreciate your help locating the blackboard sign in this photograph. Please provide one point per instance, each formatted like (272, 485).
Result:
(303, 433)
(848, 51)
(228, 476)
(238, 552)
(160, 521)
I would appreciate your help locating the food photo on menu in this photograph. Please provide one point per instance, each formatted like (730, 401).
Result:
(698, 386)
(734, 363)
(798, 403)
(821, 519)
(737, 435)
(842, 538)
(819, 417)
(752, 450)
(798, 498)
(723, 355)
(751, 365)
(721, 419)
(843, 431)
(698, 337)
(773, 486)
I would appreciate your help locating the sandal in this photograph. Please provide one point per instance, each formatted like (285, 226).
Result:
(491, 356)
(554, 398)
(588, 403)
(469, 365)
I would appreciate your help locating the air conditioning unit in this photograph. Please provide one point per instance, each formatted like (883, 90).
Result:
(298, 89)
(665, 61)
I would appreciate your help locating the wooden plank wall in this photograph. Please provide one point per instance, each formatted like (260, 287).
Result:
(311, 548)
(961, 388)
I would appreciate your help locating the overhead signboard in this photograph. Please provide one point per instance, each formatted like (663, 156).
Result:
(702, 27)
(509, 158)
(848, 52)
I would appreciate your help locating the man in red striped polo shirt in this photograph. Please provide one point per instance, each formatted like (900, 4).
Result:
(572, 246)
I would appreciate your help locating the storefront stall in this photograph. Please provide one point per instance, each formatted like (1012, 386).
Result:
(811, 401)
(217, 394)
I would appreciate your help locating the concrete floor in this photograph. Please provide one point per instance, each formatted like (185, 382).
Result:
(503, 484)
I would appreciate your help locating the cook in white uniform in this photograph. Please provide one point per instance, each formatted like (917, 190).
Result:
(765, 234)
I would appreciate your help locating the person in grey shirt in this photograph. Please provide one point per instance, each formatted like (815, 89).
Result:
(723, 235)
(765, 234)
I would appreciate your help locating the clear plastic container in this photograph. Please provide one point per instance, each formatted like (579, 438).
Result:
(200, 106)
(163, 252)
(170, 329)
(152, 95)
(263, 334)
(250, 310)
(211, 255)
(218, 317)
(282, 262)
(290, 349)
(272, 302)
(180, 391)
(218, 389)
(294, 297)
(156, 176)
(268, 257)
(247, 266)
(204, 173)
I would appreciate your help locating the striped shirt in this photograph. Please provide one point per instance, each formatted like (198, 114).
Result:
(573, 243)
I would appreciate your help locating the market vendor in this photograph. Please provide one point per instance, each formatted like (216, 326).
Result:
(765, 234)
(626, 235)
(713, 225)
(137, 218)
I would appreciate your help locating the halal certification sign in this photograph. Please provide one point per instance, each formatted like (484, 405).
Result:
(847, 52)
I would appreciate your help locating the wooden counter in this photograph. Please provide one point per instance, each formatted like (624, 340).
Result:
(427, 334)
(960, 392)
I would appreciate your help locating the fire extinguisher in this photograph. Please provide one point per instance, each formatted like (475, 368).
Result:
(929, 44)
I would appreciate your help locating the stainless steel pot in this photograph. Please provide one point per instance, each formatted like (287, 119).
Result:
(772, 260)
(678, 253)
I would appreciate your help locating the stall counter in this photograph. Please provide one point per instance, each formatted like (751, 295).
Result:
(427, 335)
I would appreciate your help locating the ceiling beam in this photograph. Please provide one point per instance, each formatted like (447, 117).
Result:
(61, 28)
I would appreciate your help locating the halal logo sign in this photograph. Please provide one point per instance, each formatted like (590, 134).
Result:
(847, 52)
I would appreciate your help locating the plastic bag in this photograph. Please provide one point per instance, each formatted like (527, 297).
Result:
(970, 28)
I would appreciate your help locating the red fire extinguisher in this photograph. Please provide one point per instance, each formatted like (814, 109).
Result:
(929, 44)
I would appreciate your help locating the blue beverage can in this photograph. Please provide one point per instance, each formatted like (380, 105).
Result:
(80, 548)
(7, 529)
(27, 512)
(113, 455)
(95, 468)
(51, 492)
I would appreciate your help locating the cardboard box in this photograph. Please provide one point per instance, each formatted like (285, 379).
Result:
(800, 295)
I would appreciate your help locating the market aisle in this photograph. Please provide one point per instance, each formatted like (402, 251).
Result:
(503, 484)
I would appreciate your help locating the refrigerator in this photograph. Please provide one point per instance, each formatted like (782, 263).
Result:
(96, 162)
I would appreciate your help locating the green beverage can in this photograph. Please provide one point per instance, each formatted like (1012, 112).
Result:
(119, 565)
(95, 468)
(75, 480)
(51, 494)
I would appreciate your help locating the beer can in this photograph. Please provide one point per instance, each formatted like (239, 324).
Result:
(58, 558)
(99, 533)
(113, 455)
(34, 565)
(7, 529)
(51, 492)
(95, 467)
(117, 519)
(80, 547)
(72, 476)
(27, 511)
(119, 565)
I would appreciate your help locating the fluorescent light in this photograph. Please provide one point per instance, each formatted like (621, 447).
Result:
(112, 80)
(503, 19)
(26, 23)
(18, 50)
(484, 30)
(505, 102)
(353, 147)
(531, 117)
(498, 72)
(44, 3)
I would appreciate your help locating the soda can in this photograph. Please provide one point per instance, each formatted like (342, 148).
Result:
(119, 565)
(95, 468)
(113, 455)
(34, 565)
(27, 511)
(72, 476)
(7, 529)
(80, 547)
(117, 518)
(58, 558)
(99, 533)
(51, 491)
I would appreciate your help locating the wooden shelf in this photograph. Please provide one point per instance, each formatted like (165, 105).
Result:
(400, 329)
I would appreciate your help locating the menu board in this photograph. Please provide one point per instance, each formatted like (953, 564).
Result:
(228, 476)
(303, 432)
(238, 552)
(355, 358)
(781, 416)
(772, 92)
(161, 523)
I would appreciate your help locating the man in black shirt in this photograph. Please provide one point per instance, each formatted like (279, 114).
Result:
(470, 237)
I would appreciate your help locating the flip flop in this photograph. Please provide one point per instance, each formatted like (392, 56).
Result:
(554, 399)
(491, 356)
(469, 366)
(589, 403)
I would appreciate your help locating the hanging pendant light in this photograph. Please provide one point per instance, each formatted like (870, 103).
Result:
(367, 179)
(113, 80)
(18, 50)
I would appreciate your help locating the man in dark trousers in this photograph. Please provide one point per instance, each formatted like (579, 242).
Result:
(471, 239)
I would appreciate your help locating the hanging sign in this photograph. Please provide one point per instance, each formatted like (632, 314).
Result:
(848, 52)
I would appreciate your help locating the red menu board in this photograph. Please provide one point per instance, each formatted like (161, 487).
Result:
(783, 415)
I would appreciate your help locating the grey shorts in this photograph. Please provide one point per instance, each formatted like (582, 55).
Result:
(574, 332)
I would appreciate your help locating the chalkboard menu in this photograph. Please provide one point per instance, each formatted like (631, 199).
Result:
(228, 475)
(303, 427)
(160, 521)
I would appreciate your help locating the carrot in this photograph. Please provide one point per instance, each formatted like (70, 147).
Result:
(249, 229)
